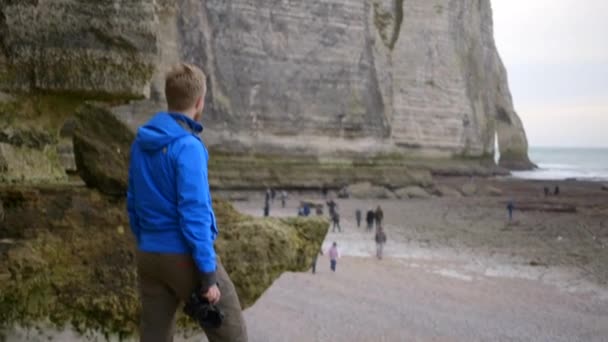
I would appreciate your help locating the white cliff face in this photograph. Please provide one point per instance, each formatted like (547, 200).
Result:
(322, 78)
(343, 77)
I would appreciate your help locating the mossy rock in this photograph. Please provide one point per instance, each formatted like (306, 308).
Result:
(101, 149)
(68, 258)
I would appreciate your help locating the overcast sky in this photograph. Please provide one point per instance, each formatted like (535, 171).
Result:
(556, 54)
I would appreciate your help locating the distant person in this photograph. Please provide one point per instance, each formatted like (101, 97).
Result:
(334, 255)
(283, 198)
(324, 191)
(380, 241)
(510, 207)
(335, 219)
(266, 209)
(273, 194)
(358, 217)
(331, 204)
(379, 216)
(556, 191)
(547, 191)
(267, 198)
(306, 209)
(319, 210)
(370, 217)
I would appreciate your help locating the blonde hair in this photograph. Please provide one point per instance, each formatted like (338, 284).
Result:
(184, 84)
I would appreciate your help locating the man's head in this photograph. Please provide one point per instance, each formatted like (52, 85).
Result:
(185, 89)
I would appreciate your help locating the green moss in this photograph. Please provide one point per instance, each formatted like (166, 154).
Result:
(384, 21)
(77, 265)
(439, 9)
(222, 102)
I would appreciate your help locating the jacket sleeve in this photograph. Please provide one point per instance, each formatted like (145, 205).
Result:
(133, 220)
(194, 208)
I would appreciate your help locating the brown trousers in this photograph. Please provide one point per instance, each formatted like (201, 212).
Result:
(165, 282)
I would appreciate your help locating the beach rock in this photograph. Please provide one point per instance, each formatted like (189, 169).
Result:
(492, 191)
(469, 189)
(73, 263)
(101, 149)
(412, 192)
(446, 191)
(367, 190)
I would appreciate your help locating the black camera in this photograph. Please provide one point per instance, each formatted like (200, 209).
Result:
(204, 313)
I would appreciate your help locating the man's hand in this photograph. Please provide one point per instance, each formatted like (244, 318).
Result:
(213, 294)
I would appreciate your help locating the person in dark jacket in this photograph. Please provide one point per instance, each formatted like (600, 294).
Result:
(172, 218)
(380, 241)
(358, 217)
(379, 217)
(510, 208)
(335, 219)
(332, 205)
(369, 218)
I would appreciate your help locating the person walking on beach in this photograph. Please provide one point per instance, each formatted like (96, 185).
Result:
(283, 198)
(358, 217)
(556, 191)
(332, 205)
(273, 194)
(334, 255)
(370, 220)
(335, 219)
(510, 207)
(266, 209)
(319, 210)
(380, 241)
(267, 203)
(379, 216)
(171, 215)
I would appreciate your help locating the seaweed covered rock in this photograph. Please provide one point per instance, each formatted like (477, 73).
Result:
(412, 192)
(101, 149)
(67, 257)
(368, 190)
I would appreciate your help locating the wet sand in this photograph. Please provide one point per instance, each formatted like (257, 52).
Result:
(455, 270)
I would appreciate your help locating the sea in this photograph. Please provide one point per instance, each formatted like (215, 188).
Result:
(590, 164)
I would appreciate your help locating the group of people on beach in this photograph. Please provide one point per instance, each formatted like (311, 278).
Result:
(269, 198)
(373, 218)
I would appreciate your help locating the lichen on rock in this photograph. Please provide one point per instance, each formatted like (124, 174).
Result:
(101, 148)
(68, 258)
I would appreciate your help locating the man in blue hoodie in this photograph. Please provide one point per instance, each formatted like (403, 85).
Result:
(171, 215)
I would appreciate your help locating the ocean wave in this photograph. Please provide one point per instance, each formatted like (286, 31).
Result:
(544, 173)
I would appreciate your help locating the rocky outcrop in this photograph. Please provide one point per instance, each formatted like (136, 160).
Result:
(111, 50)
(492, 191)
(67, 258)
(412, 192)
(102, 145)
(446, 191)
(329, 80)
(367, 190)
(469, 189)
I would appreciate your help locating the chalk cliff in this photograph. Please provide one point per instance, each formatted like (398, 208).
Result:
(324, 79)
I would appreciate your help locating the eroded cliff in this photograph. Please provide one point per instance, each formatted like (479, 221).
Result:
(334, 81)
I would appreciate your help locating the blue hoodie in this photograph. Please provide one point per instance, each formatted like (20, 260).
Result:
(168, 199)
